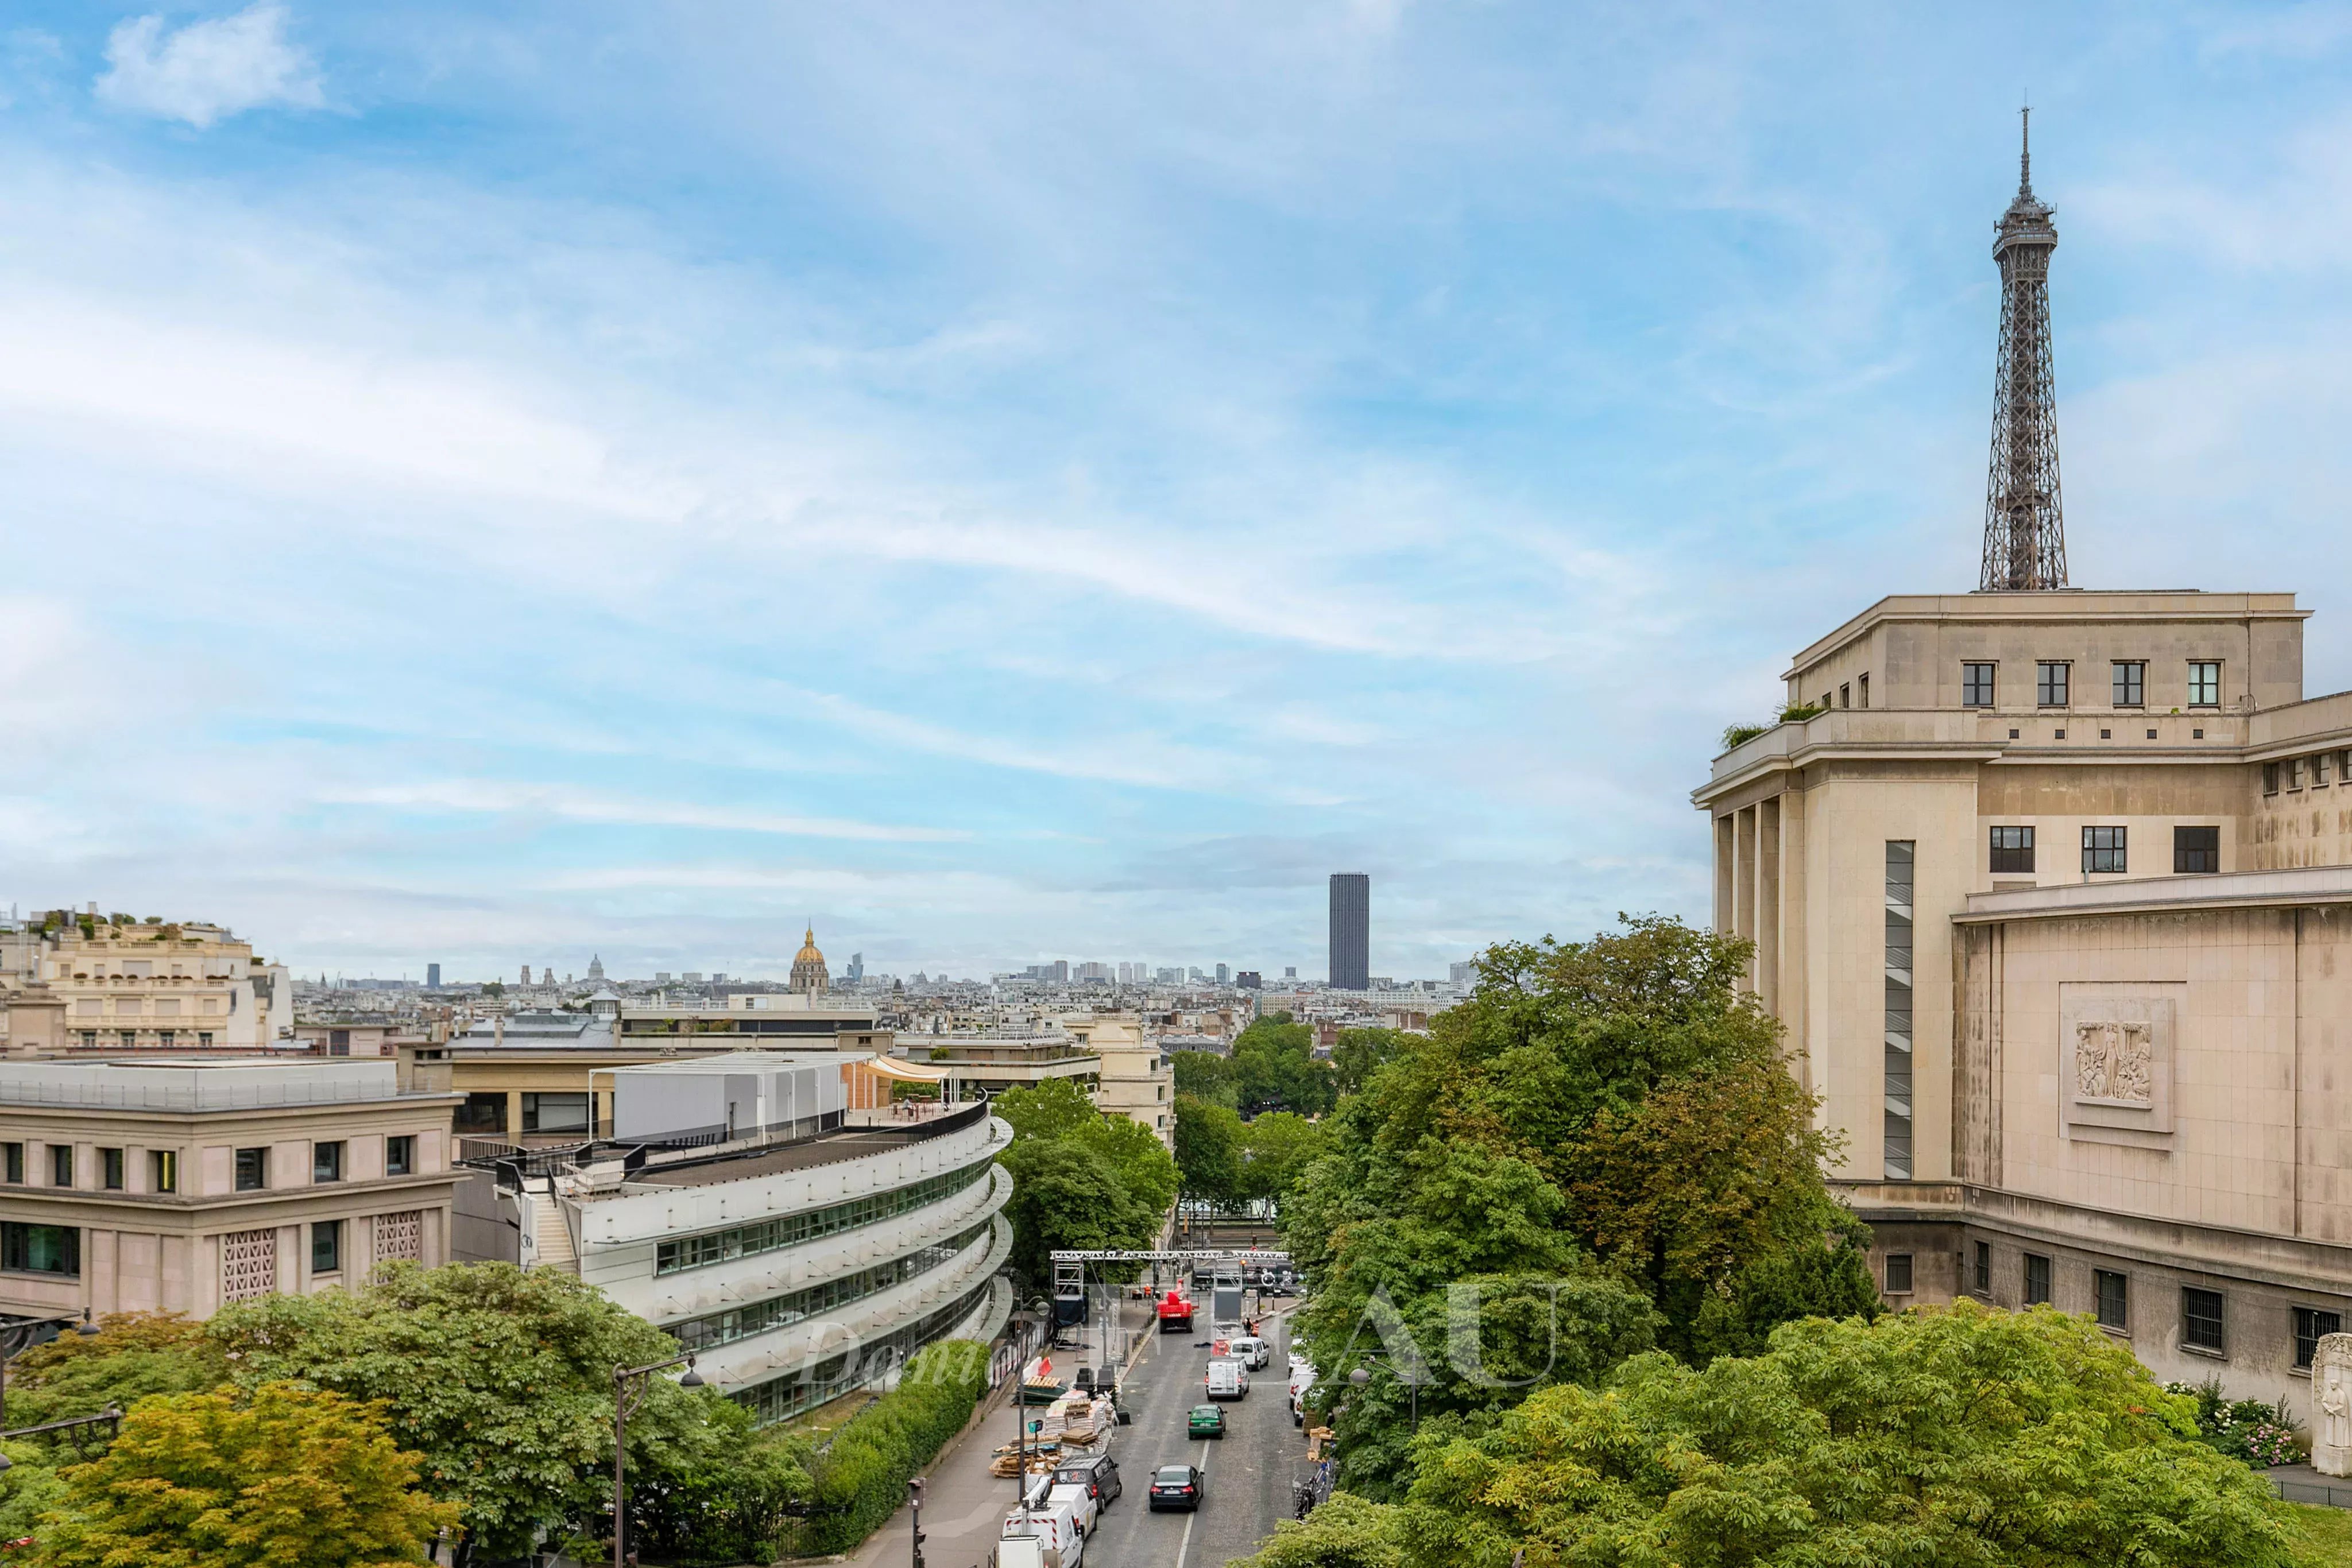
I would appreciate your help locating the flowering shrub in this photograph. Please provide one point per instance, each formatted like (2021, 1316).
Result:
(2245, 1429)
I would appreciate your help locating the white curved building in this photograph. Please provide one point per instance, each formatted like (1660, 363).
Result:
(802, 1249)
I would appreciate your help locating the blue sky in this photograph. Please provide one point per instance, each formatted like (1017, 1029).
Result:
(495, 484)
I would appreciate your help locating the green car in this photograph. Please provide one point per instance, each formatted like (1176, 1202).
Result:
(1205, 1421)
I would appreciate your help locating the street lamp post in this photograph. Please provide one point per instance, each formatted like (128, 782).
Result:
(629, 1385)
(915, 1502)
(18, 1338)
(1021, 1401)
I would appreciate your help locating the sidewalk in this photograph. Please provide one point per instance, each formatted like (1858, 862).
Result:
(964, 1506)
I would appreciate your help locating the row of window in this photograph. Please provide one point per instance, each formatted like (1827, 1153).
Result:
(2300, 772)
(779, 1312)
(2195, 851)
(252, 1166)
(56, 1249)
(2204, 1314)
(792, 1229)
(569, 1112)
(2053, 681)
(129, 1039)
(781, 1397)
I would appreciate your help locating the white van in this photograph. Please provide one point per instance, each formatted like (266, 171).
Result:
(1228, 1380)
(1046, 1538)
(1252, 1352)
(1302, 1383)
(1079, 1499)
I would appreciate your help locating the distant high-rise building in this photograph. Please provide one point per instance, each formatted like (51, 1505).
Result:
(1250, 980)
(661, 976)
(432, 977)
(1351, 930)
(856, 970)
(718, 976)
(1224, 976)
(1290, 971)
(1169, 975)
(692, 976)
(1463, 973)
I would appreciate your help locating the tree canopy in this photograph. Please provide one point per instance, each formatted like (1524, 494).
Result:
(500, 1378)
(1959, 1437)
(1080, 1178)
(1613, 1110)
(279, 1476)
(1209, 1138)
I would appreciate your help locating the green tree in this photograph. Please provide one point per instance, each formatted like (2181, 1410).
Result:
(1206, 1077)
(1080, 1178)
(284, 1475)
(1347, 1531)
(1359, 1052)
(500, 1378)
(133, 1356)
(1276, 1149)
(1959, 1437)
(1274, 1069)
(1207, 1150)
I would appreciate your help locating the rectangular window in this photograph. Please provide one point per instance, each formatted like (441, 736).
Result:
(2050, 683)
(2200, 1319)
(2310, 1323)
(1846, 693)
(555, 1112)
(15, 1155)
(327, 1162)
(1896, 1130)
(1976, 685)
(2115, 1298)
(2131, 683)
(1898, 1273)
(2319, 770)
(2205, 684)
(162, 1170)
(2013, 849)
(2295, 773)
(400, 1155)
(204, 1039)
(165, 1037)
(110, 1169)
(2037, 1279)
(327, 1246)
(62, 1171)
(1984, 1268)
(130, 1039)
(40, 1249)
(252, 1169)
(2196, 850)
(482, 1113)
(1862, 688)
(2270, 778)
(2103, 848)
(339, 1042)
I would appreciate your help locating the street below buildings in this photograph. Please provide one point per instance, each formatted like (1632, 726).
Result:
(1250, 1471)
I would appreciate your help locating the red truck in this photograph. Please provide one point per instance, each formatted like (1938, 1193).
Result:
(1175, 1314)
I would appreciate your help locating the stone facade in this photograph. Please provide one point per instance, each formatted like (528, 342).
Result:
(2054, 899)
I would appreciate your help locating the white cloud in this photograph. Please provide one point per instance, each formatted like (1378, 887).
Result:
(207, 71)
(468, 795)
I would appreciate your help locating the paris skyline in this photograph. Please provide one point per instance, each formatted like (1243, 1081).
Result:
(593, 478)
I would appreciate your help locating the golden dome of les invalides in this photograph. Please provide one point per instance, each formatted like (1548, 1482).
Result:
(808, 966)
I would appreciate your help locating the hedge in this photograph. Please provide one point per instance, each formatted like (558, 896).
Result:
(861, 1478)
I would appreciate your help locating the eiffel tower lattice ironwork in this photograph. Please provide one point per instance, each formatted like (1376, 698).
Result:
(2025, 538)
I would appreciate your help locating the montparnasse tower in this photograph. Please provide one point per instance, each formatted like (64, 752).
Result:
(808, 967)
(2025, 538)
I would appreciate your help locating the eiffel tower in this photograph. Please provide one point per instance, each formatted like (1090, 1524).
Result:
(2025, 539)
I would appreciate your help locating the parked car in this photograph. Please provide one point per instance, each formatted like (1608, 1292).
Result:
(1098, 1472)
(1227, 1380)
(1177, 1487)
(1205, 1421)
(1251, 1352)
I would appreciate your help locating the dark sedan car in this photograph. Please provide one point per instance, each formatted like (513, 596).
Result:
(1176, 1486)
(1098, 1473)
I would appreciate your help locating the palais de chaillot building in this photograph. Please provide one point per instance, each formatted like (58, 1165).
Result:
(2051, 888)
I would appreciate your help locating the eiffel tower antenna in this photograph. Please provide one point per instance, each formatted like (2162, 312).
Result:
(2025, 535)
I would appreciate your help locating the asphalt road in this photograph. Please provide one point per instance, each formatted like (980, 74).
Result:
(1250, 1468)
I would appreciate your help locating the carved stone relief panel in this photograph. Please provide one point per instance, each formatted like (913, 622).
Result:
(2116, 1045)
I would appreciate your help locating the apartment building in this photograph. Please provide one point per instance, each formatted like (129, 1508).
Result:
(87, 983)
(184, 1185)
